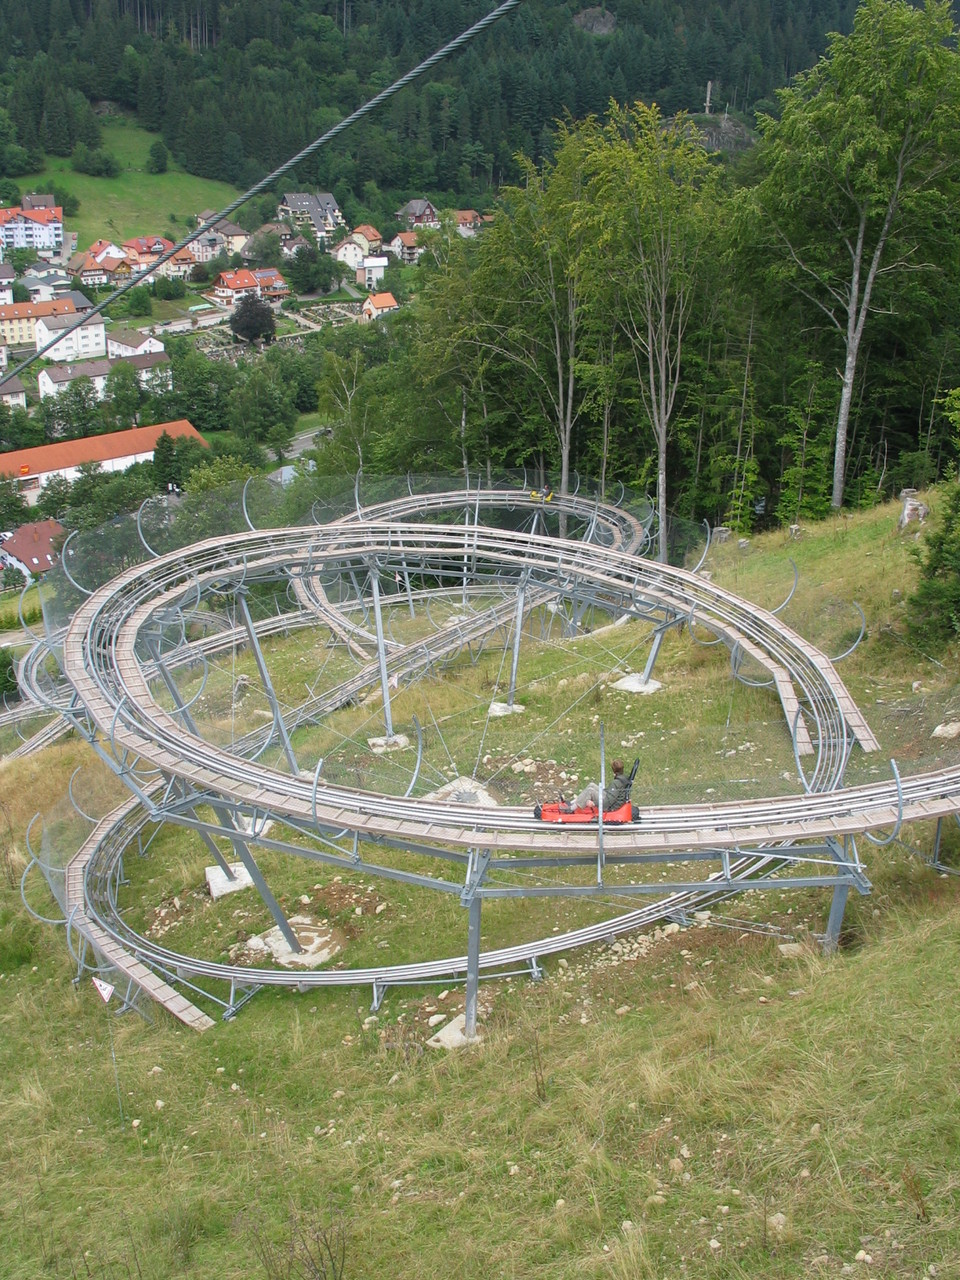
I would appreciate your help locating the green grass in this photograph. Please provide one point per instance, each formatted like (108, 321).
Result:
(135, 202)
(711, 1108)
(10, 609)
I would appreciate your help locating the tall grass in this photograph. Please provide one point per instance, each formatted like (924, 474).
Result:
(714, 1108)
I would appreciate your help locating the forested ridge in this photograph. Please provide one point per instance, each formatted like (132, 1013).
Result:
(756, 338)
(237, 88)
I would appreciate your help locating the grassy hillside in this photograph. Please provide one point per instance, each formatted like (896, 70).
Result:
(135, 202)
(693, 1104)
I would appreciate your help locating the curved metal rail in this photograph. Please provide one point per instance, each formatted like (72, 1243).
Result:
(103, 660)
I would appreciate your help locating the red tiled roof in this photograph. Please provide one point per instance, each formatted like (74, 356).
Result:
(148, 244)
(46, 216)
(23, 310)
(34, 543)
(383, 301)
(45, 458)
(239, 279)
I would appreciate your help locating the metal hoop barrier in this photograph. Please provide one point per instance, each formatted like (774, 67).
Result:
(774, 839)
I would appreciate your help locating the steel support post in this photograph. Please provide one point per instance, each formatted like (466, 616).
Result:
(406, 584)
(381, 649)
(936, 844)
(273, 906)
(239, 844)
(220, 860)
(473, 967)
(831, 939)
(267, 683)
(517, 633)
(360, 599)
(170, 684)
(466, 557)
(652, 656)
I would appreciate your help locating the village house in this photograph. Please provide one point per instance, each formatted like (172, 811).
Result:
(50, 382)
(369, 238)
(230, 286)
(99, 250)
(179, 266)
(33, 469)
(272, 286)
(370, 272)
(259, 282)
(317, 216)
(131, 342)
(232, 237)
(86, 342)
(254, 244)
(39, 200)
(349, 253)
(7, 277)
(292, 247)
(96, 272)
(32, 548)
(405, 247)
(12, 393)
(152, 368)
(208, 246)
(18, 320)
(418, 213)
(468, 222)
(143, 251)
(37, 229)
(377, 305)
(45, 283)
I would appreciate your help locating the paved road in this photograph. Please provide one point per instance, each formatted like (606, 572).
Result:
(14, 639)
(299, 444)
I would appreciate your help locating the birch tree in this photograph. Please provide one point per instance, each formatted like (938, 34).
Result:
(652, 196)
(857, 173)
(532, 288)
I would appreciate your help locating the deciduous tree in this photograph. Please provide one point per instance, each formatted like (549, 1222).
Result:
(857, 172)
(652, 196)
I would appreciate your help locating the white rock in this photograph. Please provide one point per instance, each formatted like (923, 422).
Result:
(949, 729)
(436, 1019)
(380, 746)
(777, 1222)
(500, 709)
(790, 949)
(452, 1036)
(219, 884)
